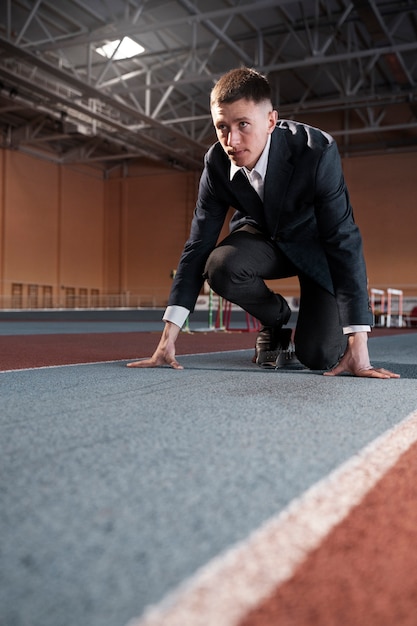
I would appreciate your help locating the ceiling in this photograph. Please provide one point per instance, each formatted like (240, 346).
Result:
(349, 66)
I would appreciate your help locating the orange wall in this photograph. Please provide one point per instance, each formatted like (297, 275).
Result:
(2, 203)
(383, 193)
(113, 213)
(158, 214)
(81, 230)
(70, 228)
(52, 220)
(147, 218)
(30, 220)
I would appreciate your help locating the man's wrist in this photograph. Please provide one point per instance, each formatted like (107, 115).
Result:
(176, 314)
(356, 328)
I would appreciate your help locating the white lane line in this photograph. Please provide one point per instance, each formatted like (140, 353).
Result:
(50, 367)
(222, 592)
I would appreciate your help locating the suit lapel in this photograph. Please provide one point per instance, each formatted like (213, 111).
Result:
(277, 180)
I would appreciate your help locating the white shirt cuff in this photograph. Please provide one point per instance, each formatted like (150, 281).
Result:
(176, 314)
(357, 328)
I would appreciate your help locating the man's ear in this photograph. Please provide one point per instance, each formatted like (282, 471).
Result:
(273, 118)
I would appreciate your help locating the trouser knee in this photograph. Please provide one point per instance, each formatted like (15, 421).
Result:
(218, 274)
(319, 357)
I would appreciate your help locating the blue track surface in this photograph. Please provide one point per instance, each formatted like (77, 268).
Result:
(116, 483)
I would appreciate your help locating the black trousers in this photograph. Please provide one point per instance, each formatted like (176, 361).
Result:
(237, 269)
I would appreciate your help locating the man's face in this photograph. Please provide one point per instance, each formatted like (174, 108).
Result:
(242, 128)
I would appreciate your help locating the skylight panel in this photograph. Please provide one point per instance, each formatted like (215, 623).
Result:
(120, 49)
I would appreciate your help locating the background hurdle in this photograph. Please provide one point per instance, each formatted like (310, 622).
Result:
(378, 306)
(398, 294)
(215, 320)
(224, 314)
(382, 306)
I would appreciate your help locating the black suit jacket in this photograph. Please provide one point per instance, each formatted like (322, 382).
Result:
(306, 211)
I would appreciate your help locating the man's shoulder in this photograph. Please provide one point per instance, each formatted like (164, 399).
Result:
(299, 134)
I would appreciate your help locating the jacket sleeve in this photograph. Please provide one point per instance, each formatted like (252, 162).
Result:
(341, 240)
(209, 216)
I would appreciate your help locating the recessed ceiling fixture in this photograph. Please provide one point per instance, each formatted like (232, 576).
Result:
(118, 49)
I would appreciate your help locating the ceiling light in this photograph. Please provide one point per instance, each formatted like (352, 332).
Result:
(120, 49)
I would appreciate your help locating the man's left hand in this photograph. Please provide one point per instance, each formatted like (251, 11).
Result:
(355, 360)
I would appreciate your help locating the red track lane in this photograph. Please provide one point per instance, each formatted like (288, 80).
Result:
(25, 351)
(364, 573)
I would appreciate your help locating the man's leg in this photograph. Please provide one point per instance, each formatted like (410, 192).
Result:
(319, 338)
(237, 269)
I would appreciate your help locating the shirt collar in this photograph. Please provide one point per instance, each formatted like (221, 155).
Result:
(260, 165)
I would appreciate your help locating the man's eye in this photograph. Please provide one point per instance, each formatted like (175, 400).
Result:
(243, 124)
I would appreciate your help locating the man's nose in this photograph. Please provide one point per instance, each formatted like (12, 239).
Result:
(233, 138)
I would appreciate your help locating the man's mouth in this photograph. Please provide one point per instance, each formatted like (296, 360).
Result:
(235, 153)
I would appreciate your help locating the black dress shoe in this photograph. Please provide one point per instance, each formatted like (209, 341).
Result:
(287, 359)
(271, 342)
(274, 349)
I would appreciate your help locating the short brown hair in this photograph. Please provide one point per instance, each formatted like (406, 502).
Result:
(241, 83)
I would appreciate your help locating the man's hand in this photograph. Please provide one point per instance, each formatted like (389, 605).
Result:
(165, 351)
(356, 360)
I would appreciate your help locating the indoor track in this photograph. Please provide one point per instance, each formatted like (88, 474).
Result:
(218, 495)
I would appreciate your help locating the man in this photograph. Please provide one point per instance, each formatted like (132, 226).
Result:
(293, 217)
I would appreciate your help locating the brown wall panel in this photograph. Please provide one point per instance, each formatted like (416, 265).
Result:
(82, 230)
(157, 222)
(71, 229)
(113, 212)
(2, 229)
(30, 220)
(383, 193)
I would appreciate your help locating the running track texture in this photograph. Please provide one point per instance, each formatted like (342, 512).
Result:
(219, 495)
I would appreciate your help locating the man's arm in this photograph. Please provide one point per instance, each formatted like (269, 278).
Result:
(208, 219)
(341, 241)
(343, 245)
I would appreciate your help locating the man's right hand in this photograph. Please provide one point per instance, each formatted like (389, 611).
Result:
(165, 351)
